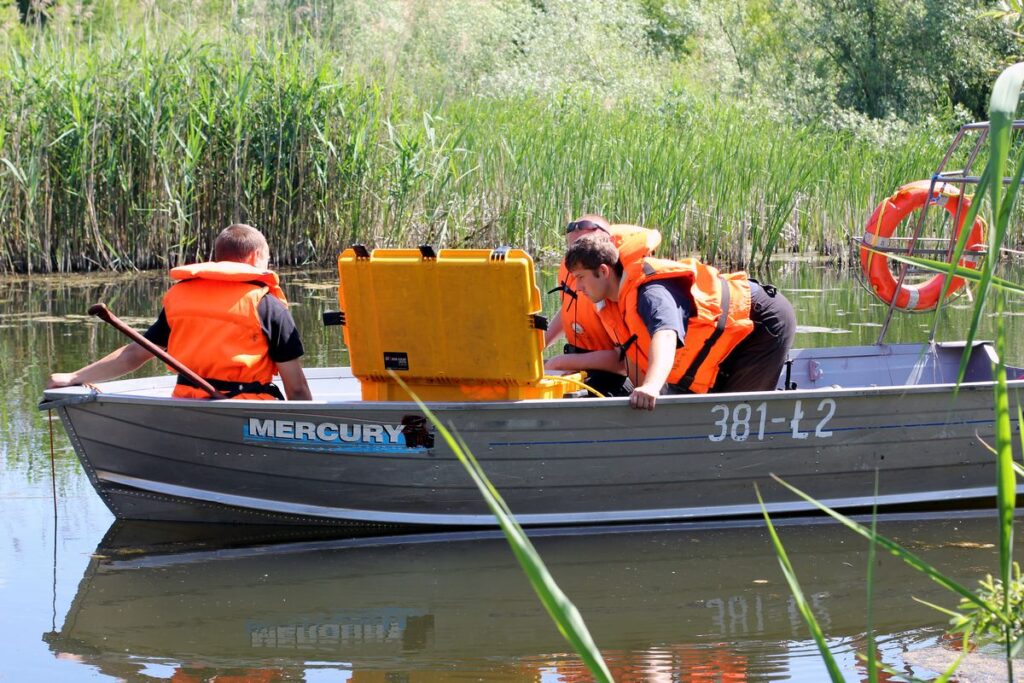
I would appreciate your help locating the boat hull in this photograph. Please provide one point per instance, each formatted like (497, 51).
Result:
(342, 461)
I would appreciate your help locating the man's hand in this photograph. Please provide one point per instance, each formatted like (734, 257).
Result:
(644, 397)
(663, 349)
(61, 379)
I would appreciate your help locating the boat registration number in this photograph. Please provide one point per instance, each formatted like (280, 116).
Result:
(745, 421)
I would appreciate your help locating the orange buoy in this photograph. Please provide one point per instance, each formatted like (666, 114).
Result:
(890, 213)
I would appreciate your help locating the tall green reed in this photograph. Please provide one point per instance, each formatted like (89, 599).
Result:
(133, 149)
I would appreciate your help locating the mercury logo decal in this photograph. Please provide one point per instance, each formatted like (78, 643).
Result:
(339, 437)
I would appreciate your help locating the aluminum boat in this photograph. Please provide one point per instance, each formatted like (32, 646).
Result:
(339, 459)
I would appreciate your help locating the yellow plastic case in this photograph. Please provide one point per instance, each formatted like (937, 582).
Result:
(460, 325)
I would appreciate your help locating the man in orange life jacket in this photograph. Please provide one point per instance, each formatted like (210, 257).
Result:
(669, 324)
(577, 318)
(227, 320)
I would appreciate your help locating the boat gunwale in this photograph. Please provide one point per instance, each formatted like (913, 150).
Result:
(54, 395)
(138, 390)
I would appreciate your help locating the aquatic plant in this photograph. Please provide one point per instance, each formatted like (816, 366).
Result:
(981, 626)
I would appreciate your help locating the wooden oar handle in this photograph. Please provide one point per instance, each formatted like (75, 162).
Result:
(103, 313)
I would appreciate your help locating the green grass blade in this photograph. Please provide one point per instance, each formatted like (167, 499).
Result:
(968, 274)
(798, 596)
(1007, 480)
(938, 608)
(900, 552)
(563, 612)
(872, 654)
(1002, 108)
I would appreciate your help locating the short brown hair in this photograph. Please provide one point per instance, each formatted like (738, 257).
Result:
(591, 251)
(239, 241)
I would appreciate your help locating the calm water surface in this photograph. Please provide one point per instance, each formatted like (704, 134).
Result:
(83, 598)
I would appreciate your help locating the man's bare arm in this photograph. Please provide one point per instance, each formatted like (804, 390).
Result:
(662, 355)
(120, 362)
(296, 388)
(607, 359)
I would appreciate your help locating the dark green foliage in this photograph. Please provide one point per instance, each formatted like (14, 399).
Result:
(673, 26)
(882, 58)
(34, 12)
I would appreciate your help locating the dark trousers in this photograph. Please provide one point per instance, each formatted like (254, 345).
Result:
(756, 364)
(608, 383)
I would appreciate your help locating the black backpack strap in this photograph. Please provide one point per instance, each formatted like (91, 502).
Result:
(232, 389)
(625, 347)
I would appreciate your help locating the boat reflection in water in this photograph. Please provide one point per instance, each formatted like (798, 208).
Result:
(679, 602)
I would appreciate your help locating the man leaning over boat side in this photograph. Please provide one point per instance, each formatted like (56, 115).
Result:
(227, 320)
(667, 323)
(577, 317)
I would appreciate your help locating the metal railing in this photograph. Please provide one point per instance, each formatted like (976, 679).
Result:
(940, 248)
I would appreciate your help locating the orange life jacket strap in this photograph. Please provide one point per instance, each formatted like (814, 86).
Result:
(691, 372)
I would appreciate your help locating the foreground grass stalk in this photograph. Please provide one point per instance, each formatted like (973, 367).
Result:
(798, 595)
(1007, 483)
(1002, 109)
(872, 653)
(564, 613)
(1000, 614)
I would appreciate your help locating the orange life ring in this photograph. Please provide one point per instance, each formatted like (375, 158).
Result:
(888, 214)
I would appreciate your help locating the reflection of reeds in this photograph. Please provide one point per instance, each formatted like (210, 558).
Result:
(132, 154)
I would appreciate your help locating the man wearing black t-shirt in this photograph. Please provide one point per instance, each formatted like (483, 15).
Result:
(227, 320)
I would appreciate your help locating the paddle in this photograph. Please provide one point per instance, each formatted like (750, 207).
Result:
(103, 313)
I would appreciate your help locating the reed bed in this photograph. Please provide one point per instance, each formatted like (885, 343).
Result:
(132, 153)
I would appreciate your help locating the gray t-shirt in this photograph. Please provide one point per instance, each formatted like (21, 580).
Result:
(665, 305)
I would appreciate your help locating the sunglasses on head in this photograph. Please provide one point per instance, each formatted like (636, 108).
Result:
(583, 225)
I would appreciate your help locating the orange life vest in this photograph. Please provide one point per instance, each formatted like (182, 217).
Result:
(710, 337)
(215, 324)
(580, 319)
